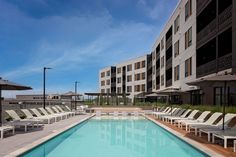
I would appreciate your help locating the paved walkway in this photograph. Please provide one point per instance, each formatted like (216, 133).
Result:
(21, 139)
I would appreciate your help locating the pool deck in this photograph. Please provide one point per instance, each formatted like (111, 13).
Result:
(21, 140)
(201, 140)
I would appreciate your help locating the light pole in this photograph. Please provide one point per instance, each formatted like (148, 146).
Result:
(76, 82)
(44, 84)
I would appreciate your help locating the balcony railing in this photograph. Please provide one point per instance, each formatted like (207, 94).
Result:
(206, 33)
(225, 18)
(169, 63)
(201, 4)
(206, 69)
(169, 83)
(224, 62)
(168, 42)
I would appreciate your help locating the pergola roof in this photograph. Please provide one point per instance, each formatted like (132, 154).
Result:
(107, 94)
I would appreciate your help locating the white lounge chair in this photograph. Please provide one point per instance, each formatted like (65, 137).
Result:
(63, 116)
(42, 118)
(177, 113)
(171, 119)
(209, 130)
(38, 114)
(190, 117)
(208, 122)
(166, 110)
(62, 113)
(15, 117)
(171, 111)
(6, 129)
(225, 135)
(18, 122)
(200, 119)
(71, 113)
(51, 115)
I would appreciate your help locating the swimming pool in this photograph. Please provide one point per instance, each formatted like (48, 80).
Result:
(115, 137)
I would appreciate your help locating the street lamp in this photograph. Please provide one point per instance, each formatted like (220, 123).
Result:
(44, 80)
(76, 82)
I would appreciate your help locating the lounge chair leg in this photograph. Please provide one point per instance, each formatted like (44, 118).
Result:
(1, 134)
(196, 131)
(209, 137)
(234, 146)
(213, 139)
(225, 143)
(13, 131)
(25, 128)
(200, 134)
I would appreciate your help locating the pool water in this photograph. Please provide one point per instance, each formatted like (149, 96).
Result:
(115, 137)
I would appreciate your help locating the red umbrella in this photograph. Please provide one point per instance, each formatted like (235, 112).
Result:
(8, 85)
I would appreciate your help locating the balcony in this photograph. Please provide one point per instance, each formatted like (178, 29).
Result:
(169, 63)
(201, 4)
(206, 69)
(224, 62)
(169, 83)
(149, 79)
(158, 71)
(225, 18)
(168, 42)
(206, 33)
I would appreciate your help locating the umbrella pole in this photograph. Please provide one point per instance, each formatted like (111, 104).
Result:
(225, 85)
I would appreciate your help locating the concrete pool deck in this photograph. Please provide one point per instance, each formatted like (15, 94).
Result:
(20, 141)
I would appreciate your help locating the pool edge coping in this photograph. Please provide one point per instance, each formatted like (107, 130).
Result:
(193, 143)
(36, 143)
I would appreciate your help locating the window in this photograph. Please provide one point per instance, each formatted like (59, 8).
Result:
(137, 88)
(108, 82)
(129, 67)
(176, 48)
(162, 61)
(118, 89)
(188, 9)
(137, 77)
(188, 38)
(108, 73)
(102, 83)
(143, 64)
(119, 80)
(143, 87)
(102, 74)
(162, 43)
(188, 67)
(108, 90)
(129, 89)
(176, 73)
(129, 78)
(118, 70)
(102, 90)
(176, 24)
(137, 65)
(143, 76)
(162, 80)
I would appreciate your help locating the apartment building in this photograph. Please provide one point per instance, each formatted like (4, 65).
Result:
(127, 77)
(107, 80)
(198, 40)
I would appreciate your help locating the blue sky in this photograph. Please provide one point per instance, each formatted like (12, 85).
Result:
(74, 37)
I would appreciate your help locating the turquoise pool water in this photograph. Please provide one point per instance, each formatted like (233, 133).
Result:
(113, 137)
